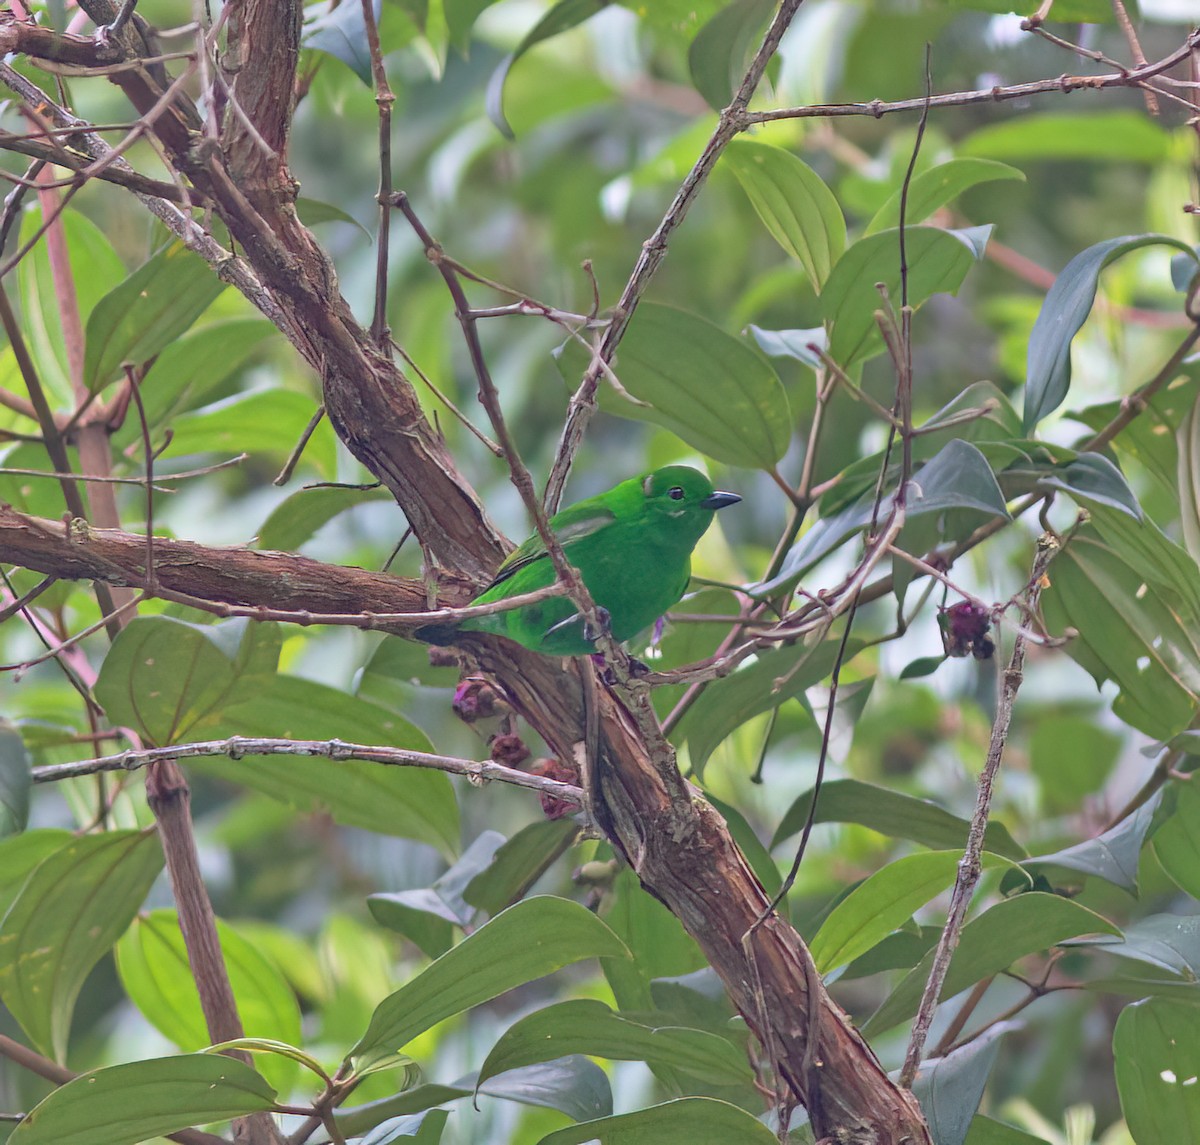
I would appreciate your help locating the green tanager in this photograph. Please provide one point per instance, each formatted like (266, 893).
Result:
(633, 548)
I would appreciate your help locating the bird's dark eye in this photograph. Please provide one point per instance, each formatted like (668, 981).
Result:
(675, 493)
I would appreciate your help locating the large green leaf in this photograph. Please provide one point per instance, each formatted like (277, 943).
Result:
(933, 189)
(712, 389)
(417, 803)
(296, 518)
(124, 1104)
(341, 32)
(162, 675)
(15, 780)
(793, 202)
(1177, 842)
(1156, 1048)
(21, 854)
(153, 963)
(992, 942)
(147, 312)
(884, 902)
(1064, 310)
(938, 262)
(527, 941)
(894, 814)
(1126, 136)
(67, 916)
(1112, 855)
(950, 1088)
(688, 1121)
(586, 1026)
(720, 51)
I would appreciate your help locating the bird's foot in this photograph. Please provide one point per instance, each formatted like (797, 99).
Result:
(603, 626)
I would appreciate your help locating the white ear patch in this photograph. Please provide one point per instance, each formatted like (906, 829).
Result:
(646, 484)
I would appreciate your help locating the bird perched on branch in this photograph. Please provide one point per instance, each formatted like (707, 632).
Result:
(633, 548)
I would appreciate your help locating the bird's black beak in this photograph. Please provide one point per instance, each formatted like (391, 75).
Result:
(719, 500)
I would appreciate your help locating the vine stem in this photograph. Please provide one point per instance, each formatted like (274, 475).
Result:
(970, 865)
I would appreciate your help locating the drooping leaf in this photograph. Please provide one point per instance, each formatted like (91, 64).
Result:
(708, 387)
(883, 902)
(1156, 1047)
(933, 189)
(153, 964)
(525, 942)
(1168, 942)
(894, 814)
(418, 1129)
(950, 1088)
(566, 14)
(66, 917)
(687, 1121)
(341, 32)
(124, 1104)
(519, 863)
(1176, 843)
(991, 942)
(794, 204)
(938, 262)
(959, 477)
(1064, 310)
(586, 1026)
(720, 51)
(147, 312)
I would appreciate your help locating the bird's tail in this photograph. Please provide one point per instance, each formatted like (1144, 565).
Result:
(436, 633)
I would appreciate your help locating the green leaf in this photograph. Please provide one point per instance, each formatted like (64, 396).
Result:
(1064, 310)
(21, 854)
(519, 863)
(586, 1026)
(794, 204)
(262, 422)
(1112, 856)
(1176, 843)
(884, 902)
(147, 312)
(1156, 1047)
(959, 477)
(566, 14)
(991, 942)
(706, 386)
(312, 212)
(16, 781)
(163, 675)
(1071, 757)
(987, 1131)
(774, 678)
(938, 262)
(341, 32)
(720, 51)
(124, 1104)
(688, 1121)
(527, 941)
(802, 345)
(931, 190)
(894, 814)
(1124, 136)
(460, 19)
(152, 961)
(298, 517)
(1092, 479)
(950, 1088)
(420, 1128)
(1142, 638)
(67, 916)
(416, 803)
(1169, 942)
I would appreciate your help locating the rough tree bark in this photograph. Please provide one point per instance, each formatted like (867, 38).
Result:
(678, 845)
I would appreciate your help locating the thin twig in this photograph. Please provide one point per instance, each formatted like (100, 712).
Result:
(384, 99)
(970, 865)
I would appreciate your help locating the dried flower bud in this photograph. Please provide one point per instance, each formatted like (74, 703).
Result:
(965, 628)
(474, 699)
(554, 807)
(509, 749)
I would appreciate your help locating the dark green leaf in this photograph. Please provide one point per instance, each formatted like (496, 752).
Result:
(341, 32)
(519, 863)
(1176, 843)
(525, 942)
(1112, 856)
(950, 1088)
(992, 942)
(16, 780)
(688, 1121)
(20, 854)
(67, 916)
(573, 1085)
(162, 675)
(899, 951)
(959, 477)
(793, 202)
(147, 312)
(1064, 310)
(585, 1026)
(933, 189)
(1156, 1046)
(774, 678)
(708, 387)
(1092, 479)
(295, 519)
(938, 261)
(421, 1128)
(1170, 942)
(128, 1103)
(893, 814)
(720, 51)
(1126, 136)
(566, 14)
(921, 666)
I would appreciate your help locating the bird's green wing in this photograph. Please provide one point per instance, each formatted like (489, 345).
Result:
(572, 524)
